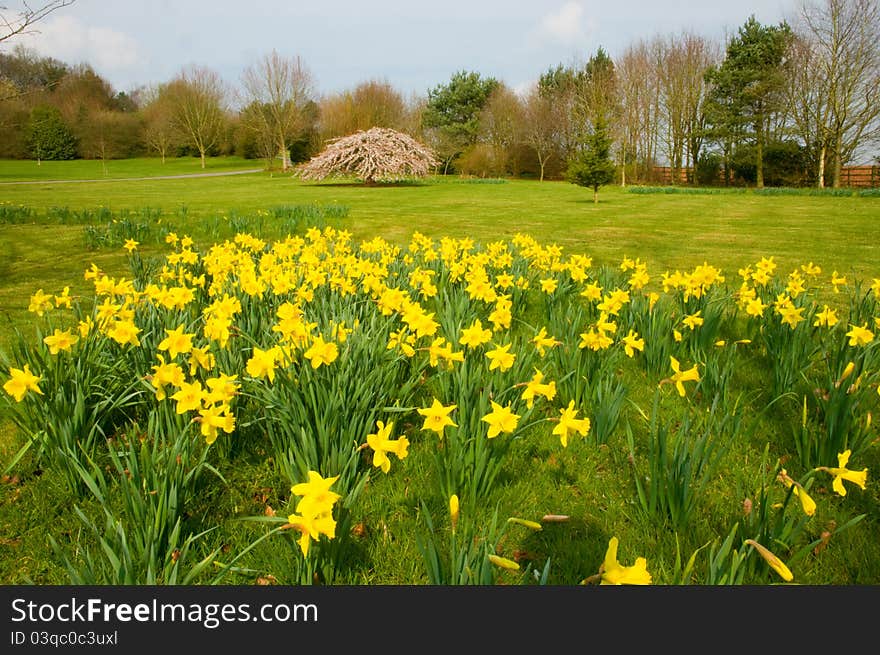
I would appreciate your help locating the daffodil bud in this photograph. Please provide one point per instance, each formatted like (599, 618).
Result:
(453, 510)
(775, 563)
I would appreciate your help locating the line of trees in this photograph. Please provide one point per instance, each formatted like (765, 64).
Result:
(783, 104)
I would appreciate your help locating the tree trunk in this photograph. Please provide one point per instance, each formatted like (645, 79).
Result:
(285, 159)
(820, 181)
(202, 155)
(759, 156)
(836, 167)
(595, 196)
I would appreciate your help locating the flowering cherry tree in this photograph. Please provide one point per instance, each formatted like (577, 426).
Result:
(377, 154)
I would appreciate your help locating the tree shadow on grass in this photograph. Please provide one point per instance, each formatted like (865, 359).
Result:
(372, 185)
(575, 548)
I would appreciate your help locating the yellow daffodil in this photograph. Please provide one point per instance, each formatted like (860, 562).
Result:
(475, 335)
(64, 299)
(859, 335)
(503, 562)
(382, 444)
(614, 573)
(807, 503)
(60, 340)
(201, 358)
(536, 387)
(693, 321)
(568, 423)
(500, 419)
(311, 528)
(40, 303)
(262, 362)
(321, 352)
(316, 497)
(166, 374)
(542, 341)
(531, 525)
(775, 563)
(826, 318)
(20, 381)
(437, 417)
(790, 315)
(221, 389)
(632, 342)
(214, 418)
(124, 332)
(755, 307)
(679, 377)
(189, 396)
(501, 358)
(841, 473)
(548, 285)
(453, 510)
(176, 341)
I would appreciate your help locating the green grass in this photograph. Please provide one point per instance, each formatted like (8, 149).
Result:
(95, 169)
(594, 485)
(668, 231)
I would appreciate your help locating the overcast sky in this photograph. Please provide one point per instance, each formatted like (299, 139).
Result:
(413, 45)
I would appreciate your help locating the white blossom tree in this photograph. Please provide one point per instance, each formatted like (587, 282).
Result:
(374, 155)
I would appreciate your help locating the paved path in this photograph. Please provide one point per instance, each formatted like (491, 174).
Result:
(139, 179)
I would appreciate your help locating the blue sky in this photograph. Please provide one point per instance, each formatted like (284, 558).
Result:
(413, 45)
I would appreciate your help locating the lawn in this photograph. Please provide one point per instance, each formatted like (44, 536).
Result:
(745, 408)
(95, 169)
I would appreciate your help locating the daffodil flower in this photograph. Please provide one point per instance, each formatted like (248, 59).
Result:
(841, 473)
(21, 381)
(437, 417)
(500, 419)
(614, 573)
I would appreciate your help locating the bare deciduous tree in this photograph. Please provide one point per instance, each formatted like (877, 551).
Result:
(638, 125)
(22, 20)
(843, 37)
(500, 126)
(374, 103)
(158, 115)
(198, 98)
(681, 64)
(540, 127)
(377, 154)
(277, 91)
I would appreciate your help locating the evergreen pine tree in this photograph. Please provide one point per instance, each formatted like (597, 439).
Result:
(591, 166)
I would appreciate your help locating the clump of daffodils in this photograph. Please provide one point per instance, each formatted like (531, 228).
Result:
(313, 515)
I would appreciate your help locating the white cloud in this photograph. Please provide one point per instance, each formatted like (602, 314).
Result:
(523, 89)
(71, 41)
(568, 25)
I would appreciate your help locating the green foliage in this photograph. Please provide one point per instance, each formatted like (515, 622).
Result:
(592, 166)
(745, 88)
(785, 164)
(453, 111)
(682, 459)
(708, 169)
(48, 137)
(26, 69)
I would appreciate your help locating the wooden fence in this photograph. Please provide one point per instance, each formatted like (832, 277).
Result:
(860, 176)
(850, 176)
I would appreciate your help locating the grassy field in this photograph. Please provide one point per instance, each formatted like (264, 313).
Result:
(95, 169)
(51, 233)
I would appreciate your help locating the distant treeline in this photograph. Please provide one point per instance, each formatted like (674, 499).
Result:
(791, 104)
